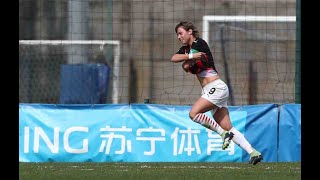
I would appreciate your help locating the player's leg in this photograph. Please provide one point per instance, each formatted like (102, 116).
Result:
(198, 109)
(222, 117)
(214, 95)
(197, 114)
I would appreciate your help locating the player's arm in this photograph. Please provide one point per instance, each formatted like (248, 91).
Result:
(179, 58)
(183, 57)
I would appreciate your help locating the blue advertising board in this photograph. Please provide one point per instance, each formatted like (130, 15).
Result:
(138, 133)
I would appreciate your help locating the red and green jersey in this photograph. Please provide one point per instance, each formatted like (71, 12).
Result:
(205, 62)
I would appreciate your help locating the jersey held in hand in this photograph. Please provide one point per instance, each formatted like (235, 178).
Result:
(203, 63)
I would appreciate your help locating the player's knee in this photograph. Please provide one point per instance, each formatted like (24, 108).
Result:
(185, 66)
(192, 115)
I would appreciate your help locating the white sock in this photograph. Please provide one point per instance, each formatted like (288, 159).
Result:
(208, 122)
(241, 141)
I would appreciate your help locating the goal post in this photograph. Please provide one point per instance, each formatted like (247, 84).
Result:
(116, 60)
(212, 18)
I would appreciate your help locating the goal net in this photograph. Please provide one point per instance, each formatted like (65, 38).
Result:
(41, 61)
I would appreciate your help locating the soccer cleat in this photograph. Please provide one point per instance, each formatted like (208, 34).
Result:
(226, 137)
(255, 157)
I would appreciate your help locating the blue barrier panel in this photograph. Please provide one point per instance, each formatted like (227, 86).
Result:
(261, 129)
(67, 133)
(136, 133)
(186, 141)
(290, 133)
(84, 83)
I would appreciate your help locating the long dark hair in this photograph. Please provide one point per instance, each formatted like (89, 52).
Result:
(186, 25)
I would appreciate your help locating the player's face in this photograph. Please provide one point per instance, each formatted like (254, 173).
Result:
(183, 35)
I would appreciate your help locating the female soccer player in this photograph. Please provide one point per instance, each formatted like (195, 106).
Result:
(197, 59)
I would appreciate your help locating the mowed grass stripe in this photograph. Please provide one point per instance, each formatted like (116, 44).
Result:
(161, 171)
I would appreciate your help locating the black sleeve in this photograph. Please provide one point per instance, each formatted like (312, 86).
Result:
(182, 50)
(201, 46)
(205, 47)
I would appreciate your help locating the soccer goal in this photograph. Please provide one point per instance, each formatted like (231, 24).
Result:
(256, 54)
(40, 60)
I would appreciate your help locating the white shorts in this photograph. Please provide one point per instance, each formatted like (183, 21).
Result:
(217, 92)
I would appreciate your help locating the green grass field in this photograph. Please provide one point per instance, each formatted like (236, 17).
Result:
(160, 171)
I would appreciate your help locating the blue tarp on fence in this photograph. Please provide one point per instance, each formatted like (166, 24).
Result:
(290, 133)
